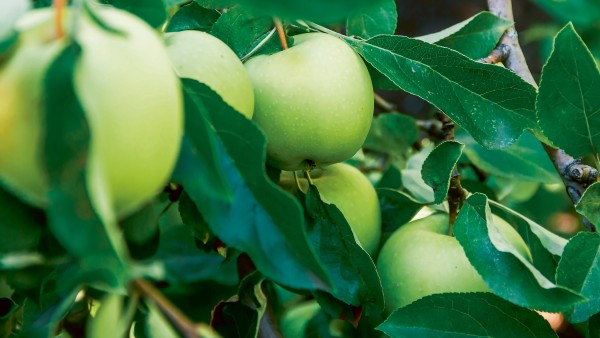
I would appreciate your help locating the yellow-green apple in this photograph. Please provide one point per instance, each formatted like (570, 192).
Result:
(314, 101)
(347, 188)
(204, 58)
(421, 259)
(128, 90)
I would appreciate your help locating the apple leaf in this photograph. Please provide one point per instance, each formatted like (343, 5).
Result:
(260, 219)
(475, 314)
(579, 270)
(492, 103)
(582, 12)
(71, 216)
(312, 10)
(154, 12)
(381, 19)
(412, 179)
(397, 209)
(354, 276)
(568, 93)
(240, 29)
(156, 325)
(193, 17)
(509, 275)
(21, 225)
(475, 37)
(524, 160)
(107, 317)
(215, 4)
(141, 229)
(393, 134)
(589, 204)
(437, 168)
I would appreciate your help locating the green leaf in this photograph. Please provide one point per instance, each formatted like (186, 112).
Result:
(260, 219)
(582, 12)
(579, 270)
(240, 316)
(105, 322)
(156, 325)
(524, 160)
(567, 103)
(594, 326)
(193, 17)
(10, 12)
(589, 204)
(72, 217)
(215, 4)
(381, 19)
(20, 226)
(397, 209)
(437, 168)
(352, 271)
(412, 179)
(393, 134)
(312, 10)
(465, 315)
(240, 29)
(492, 103)
(509, 275)
(141, 229)
(475, 37)
(154, 12)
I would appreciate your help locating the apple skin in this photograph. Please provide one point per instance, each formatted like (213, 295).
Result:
(420, 259)
(347, 188)
(131, 98)
(314, 101)
(203, 57)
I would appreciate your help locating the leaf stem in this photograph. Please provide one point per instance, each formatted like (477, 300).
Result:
(59, 9)
(281, 33)
(575, 175)
(259, 45)
(184, 325)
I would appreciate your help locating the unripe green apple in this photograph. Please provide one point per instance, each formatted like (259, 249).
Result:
(421, 259)
(314, 101)
(346, 187)
(130, 95)
(202, 57)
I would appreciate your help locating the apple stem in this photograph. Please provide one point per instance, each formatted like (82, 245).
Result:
(281, 33)
(297, 181)
(308, 178)
(59, 6)
(575, 176)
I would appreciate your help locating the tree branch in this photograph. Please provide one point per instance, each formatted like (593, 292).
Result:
(575, 175)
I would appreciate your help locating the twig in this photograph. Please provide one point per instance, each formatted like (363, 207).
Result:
(498, 54)
(281, 33)
(456, 193)
(384, 104)
(575, 175)
(184, 325)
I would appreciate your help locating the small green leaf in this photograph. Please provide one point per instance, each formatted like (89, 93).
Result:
(352, 271)
(215, 4)
(492, 103)
(437, 168)
(380, 19)
(141, 229)
(579, 270)
(240, 29)
(475, 37)
(524, 160)
(154, 12)
(412, 179)
(397, 209)
(509, 275)
(393, 134)
(465, 315)
(567, 104)
(589, 204)
(193, 17)
(260, 219)
(156, 325)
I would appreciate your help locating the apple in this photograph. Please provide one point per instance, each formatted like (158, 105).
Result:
(314, 102)
(130, 95)
(420, 259)
(347, 188)
(294, 322)
(203, 57)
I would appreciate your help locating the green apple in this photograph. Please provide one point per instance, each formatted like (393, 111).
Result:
(130, 95)
(346, 187)
(202, 57)
(295, 321)
(420, 259)
(314, 101)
